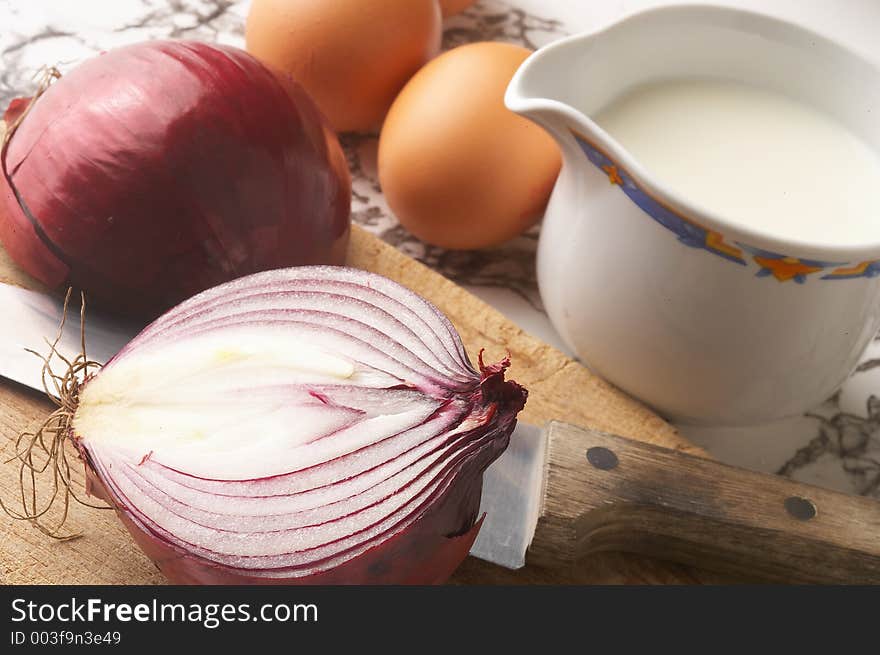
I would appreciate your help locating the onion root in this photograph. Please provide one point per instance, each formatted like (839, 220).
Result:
(44, 450)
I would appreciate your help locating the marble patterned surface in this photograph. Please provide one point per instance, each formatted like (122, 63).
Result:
(836, 445)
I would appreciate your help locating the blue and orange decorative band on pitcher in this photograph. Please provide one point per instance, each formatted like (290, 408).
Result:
(780, 267)
(784, 268)
(864, 269)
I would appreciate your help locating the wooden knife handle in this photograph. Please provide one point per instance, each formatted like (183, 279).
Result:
(604, 492)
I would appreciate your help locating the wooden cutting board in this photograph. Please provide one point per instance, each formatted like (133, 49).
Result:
(559, 388)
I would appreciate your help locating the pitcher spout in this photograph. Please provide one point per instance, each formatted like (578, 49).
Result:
(537, 92)
(562, 85)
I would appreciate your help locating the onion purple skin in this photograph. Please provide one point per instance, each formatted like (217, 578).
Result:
(436, 535)
(157, 170)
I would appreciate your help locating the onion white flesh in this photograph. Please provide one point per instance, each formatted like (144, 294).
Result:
(315, 424)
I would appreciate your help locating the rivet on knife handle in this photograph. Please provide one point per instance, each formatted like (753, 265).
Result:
(605, 492)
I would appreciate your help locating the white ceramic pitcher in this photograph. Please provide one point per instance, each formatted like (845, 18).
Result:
(703, 320)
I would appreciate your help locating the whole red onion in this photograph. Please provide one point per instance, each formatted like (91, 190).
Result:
(157, 170)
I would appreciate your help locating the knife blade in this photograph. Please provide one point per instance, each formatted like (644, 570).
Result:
(513, 487)
(30, 322)
(560, 493)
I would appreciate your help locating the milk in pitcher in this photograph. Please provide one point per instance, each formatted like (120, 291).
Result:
(752, 156)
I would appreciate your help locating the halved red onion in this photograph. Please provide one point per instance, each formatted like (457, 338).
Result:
(309, 425)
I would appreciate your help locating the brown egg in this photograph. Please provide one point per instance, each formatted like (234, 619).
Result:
(457, 167)
(452, 7)
(352, 56)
